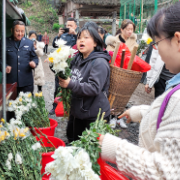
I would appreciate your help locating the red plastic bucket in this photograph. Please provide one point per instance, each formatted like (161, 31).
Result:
(49, 131)
(46, 157)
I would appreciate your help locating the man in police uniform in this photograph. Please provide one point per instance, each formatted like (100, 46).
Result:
(20, 58)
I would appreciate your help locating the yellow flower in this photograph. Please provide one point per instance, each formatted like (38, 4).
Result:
(2, 138)
(15, 135)
(22, 134)
(10, 104)
(58, 50)
(26, 130)
(2, 120)
(29, 95)
(36, 94)
(1, 125)
(40, 94)
(20, 99)
(17, 130)
(6, 133)
(149, 40)
(51, 59)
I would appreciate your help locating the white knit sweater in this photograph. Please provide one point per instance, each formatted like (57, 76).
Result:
(158, 155)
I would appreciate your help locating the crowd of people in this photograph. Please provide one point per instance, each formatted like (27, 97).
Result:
(157, 156)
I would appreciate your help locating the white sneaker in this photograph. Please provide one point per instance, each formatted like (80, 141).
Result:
(113, 123)
(122, 123)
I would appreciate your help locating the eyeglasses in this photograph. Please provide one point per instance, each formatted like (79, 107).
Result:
(155, 44)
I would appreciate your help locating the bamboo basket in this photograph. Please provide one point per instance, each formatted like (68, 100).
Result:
(123, 82)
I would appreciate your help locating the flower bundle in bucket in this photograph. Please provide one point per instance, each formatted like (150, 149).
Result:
(30, 110)
(60, 61)
(19, 152)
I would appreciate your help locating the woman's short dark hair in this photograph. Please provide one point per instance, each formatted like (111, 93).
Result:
(72, 19)
(17, 22)
(94, 34)
(101, 30)
(124, 24)
(32, 32)
(165, 22)
(92, 24)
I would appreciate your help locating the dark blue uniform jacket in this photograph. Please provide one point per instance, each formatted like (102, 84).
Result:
(18, 59)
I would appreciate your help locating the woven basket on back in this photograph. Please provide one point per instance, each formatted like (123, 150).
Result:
(123, 82)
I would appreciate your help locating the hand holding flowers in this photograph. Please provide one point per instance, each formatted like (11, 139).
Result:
(64, 83)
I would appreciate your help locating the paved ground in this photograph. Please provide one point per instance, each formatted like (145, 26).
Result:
(138, 97)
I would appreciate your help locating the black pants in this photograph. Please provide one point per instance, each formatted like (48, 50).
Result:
(46, 48)
(160, 87)
(76, 127)
(56, 91)
(25, 89)
(39, 88)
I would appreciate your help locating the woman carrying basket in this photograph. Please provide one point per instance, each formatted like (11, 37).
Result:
(125, 35)
(157, 157)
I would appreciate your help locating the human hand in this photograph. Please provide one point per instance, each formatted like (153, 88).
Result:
(64, 83)
(72, 31)
(46, 60)
(35, 45)
(61, 31)
(8, 69)
(101, 140)
(127, 115)
(147, 88)
(32, 64)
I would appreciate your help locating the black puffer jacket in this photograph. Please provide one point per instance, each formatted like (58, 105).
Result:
(89, 84)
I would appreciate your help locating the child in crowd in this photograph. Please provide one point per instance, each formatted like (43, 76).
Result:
(157, 156)
(89, 82)
(39, 72)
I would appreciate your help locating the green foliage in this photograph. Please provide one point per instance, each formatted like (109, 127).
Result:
(27, 4)
(65, 93)
(46, 16)
(56, 26)
(141, 46)
(89, 141)
(37, 116)
(30, 167)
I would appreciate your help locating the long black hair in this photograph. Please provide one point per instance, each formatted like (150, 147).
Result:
(165, 22)
(94, 34)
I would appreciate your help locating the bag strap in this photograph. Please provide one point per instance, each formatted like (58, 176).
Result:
(164, 105)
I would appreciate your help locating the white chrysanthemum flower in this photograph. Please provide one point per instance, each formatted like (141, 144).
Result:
(21, 94)
(89, 174)
(15, 122)
(60, 43)
(83, 159)
(8, 164)
(36, 146)
(10, 156)
(34, 105)
(18, 159)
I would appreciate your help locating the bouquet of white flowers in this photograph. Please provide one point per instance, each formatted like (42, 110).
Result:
(30, 110)
(71, 163)
(19, 152)
(60, 61)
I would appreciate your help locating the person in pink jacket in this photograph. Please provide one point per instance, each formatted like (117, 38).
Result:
(157, 157)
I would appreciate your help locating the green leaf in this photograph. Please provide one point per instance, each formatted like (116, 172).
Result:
(95, 134)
